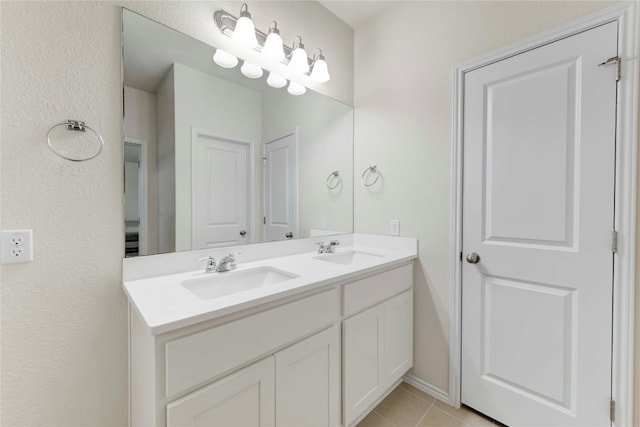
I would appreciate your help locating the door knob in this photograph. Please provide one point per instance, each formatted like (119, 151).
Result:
(289, 235)
(473, 258)
(242, 233)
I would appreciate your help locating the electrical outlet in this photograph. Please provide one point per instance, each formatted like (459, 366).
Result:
(16, 246)
(394, 227)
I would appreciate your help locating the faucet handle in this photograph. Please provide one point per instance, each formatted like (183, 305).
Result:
(206, 258)
(334, 243)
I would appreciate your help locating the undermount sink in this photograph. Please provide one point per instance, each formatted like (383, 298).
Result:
(348, 257)
(221, 284)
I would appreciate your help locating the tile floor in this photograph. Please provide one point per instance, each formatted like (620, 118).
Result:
(407, 406)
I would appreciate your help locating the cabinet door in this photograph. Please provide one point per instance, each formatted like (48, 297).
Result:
(362, 346)
(308, 381)
(245, 398)
(398, 337)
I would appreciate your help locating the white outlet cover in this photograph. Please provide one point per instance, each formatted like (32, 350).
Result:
(16, 246)
(394, 227)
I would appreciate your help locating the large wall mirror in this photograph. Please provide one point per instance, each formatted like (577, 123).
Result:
(214, 159)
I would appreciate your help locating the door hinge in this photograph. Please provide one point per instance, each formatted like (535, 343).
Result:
(460, 256)
(612, 410)
(264, 219)
(614, 241)
(618, 62)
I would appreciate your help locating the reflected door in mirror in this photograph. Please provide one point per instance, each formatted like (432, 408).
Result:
(220, 191)
(280, 188)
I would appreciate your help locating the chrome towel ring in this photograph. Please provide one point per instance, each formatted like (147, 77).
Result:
(334, 177)
(77, 126)
(373, 169)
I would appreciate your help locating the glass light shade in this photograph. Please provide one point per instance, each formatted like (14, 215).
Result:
(273, 49)
(296, 88)
(320, 71)
(299, 63)
(245, 33)
(276, 80)
(224, 59)
(251, 70)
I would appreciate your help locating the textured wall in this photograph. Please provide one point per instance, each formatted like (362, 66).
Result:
(63, 317)
(403, 124)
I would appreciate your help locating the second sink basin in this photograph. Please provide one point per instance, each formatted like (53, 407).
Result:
(348, 257)
(221, 284)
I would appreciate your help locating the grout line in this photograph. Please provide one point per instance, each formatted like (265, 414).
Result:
(384, 418)
(425, 413)
(418, 397)
(454, 416)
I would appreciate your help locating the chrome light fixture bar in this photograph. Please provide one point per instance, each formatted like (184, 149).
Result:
(271, 46)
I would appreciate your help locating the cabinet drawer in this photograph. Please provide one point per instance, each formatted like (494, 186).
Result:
(197, 358)
(370, 291)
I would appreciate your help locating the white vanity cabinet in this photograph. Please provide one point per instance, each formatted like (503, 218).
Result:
(317, 358)
(377, 342)
(244, 398)
(298, 386)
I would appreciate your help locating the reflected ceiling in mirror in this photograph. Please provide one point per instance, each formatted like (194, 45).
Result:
(215, 159)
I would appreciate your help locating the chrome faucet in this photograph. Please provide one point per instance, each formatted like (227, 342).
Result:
(211, 264)
(227, 263)
(327, 249)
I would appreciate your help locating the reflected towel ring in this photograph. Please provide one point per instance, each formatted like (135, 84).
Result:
(78, 126)
(373, 169)
(334, 176)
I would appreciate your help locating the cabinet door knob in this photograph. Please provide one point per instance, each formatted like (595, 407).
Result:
(243, 233)
(289, 235)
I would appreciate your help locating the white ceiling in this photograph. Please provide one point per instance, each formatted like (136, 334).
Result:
(356, 12)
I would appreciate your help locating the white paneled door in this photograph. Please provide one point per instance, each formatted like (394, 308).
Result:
(220, 180)
(538, 198)
(280, 188)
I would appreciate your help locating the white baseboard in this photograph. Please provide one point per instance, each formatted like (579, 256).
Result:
(424, 386)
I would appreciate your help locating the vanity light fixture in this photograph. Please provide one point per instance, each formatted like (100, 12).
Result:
(242, 31)
(296, 88)
(276, 80)
(245, 32)
(251, 70)
(319, 68)
(224, 59)
(273, 47)
(298, 62)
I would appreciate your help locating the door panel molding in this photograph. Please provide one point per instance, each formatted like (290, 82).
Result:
(628, 17)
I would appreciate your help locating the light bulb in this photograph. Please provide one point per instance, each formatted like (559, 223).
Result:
(224, 59)
(320, 71)
(298, 62)
(296, 88)
(251, 70)
(276, 80)
(245, 32)
(273, 48)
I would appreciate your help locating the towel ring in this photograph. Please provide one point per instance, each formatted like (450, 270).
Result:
(78, 126)
(368, 171)
(334, 176)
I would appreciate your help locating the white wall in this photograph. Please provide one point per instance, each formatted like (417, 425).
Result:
(224, 109)
(63, 317)
(325, 134)
(166, 158)
(402, 94)
(140, 123)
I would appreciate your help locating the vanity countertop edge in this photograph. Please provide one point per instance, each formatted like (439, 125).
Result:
(164, 305)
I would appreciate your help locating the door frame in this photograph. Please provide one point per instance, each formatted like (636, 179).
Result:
(275, 138)
(195, 134)
(627, 14)
(143, 194)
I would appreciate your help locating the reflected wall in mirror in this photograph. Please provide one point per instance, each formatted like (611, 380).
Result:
(215, 159)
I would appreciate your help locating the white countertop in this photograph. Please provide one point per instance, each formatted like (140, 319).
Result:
(165, 305)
